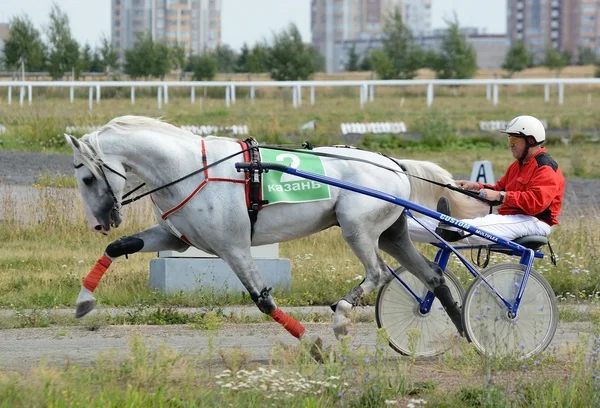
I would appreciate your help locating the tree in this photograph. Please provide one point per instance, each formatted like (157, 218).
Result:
(96, 65)
(353, 60)
(382, 64)
(365, 64)
(457, 59)
(556, 60)
(85, 59)
(161, 59)
(404, 54)
(241, 64)
(225, 58)
(289, 59)
(203, 66)
(586, 56)
(257, 59)
(63, 52)
(177, 58)
(147, 58)
(517, 59)
(318, 59)
(138, 60)
(24, 42)
(109, 57)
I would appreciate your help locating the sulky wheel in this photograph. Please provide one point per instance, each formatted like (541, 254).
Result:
(409, 330)
(488, 323)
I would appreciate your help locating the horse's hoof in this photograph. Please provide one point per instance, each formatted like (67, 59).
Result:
(340, 326)
(334, 306)
(341, 322)
(316, 347)
(84, 308)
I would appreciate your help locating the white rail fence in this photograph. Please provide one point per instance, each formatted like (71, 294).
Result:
(367, 88)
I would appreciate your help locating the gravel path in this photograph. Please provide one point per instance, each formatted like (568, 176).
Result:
(23, 168)
(23, 349)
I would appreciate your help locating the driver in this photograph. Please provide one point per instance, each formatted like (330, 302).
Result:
(530, 192)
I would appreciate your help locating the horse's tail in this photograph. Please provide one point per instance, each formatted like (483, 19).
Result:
(427, 194)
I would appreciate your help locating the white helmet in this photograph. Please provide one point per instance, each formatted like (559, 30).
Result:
(527, 126)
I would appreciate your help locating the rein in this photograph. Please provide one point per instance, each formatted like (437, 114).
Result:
(307, 146)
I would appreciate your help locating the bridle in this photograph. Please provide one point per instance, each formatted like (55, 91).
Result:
(102, 166)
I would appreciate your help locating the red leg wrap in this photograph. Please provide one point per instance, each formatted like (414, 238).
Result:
(293, 326)
(93, 277)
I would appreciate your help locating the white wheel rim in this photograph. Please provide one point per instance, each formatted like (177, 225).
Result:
(408, 329)
(490, 329)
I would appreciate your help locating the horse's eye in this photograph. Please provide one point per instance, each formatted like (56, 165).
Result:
(88, 180)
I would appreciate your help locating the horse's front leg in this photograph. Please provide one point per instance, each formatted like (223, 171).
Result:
(244, 266)
(153, 239)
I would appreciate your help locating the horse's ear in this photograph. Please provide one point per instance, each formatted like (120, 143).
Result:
(74, 143)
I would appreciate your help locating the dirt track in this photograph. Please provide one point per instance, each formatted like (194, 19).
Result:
(23, 349)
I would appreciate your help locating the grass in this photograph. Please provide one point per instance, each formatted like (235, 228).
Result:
(364, 376)
(48, 179)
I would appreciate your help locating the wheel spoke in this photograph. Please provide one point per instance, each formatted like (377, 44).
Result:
(536, 321)
(398, 313)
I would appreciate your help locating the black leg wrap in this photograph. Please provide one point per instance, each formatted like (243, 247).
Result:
(124, 246)
(264, 301)
(442, 292)
(352, 297)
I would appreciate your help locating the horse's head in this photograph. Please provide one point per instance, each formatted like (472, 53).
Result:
(100, 181)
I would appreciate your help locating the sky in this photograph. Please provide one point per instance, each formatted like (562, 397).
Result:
(247, 21)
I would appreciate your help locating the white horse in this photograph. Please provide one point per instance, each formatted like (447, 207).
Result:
(209, 209)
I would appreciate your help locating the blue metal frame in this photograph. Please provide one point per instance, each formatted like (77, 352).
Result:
(443, 255)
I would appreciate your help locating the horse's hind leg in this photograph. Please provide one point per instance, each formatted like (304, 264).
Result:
(153, 239)
(365, 248)
(396, 242)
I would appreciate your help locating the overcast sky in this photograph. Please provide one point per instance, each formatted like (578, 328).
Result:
(244, 20)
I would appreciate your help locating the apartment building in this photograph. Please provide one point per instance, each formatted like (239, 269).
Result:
(192, 24)
(566, 25)
(337, 23)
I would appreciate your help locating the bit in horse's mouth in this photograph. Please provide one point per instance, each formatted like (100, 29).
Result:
(115, 218)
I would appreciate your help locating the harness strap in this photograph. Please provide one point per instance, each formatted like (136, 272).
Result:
(204, 182)
(254, 199)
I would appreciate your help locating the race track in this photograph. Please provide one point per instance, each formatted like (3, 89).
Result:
(24, 349)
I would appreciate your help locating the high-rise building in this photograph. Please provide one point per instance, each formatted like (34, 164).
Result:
(194, 25)
(567, 25)
(336, 23)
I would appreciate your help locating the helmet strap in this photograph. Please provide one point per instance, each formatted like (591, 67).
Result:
(526, 151)
(524, 155)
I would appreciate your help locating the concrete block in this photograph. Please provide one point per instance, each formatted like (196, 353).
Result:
(263, 251)
(193, 274)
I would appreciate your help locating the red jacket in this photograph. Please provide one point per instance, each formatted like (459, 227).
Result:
(536, 188)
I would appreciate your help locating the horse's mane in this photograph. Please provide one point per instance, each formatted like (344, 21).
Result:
(91, 152)
(129, 123)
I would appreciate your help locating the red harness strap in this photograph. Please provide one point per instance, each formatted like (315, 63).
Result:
(206, 180)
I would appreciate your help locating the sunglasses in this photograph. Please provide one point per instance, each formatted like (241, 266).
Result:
(513, 139)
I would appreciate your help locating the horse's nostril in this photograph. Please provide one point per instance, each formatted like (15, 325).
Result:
(98, 227)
